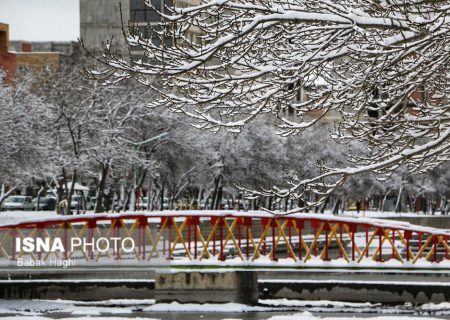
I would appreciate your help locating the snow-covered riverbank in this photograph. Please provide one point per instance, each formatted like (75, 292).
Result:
(281, 309)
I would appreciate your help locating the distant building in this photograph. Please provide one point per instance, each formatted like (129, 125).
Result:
(7, 59)
(100, 22)
(46, 56)
(64, 47)
(103, 20)
(39, 62)
(43, 58)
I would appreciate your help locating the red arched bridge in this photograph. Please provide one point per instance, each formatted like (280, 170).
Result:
(233, 239)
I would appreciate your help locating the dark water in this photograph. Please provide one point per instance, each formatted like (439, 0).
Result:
(289, 315)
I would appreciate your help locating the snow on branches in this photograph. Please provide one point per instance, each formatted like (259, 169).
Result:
(381, 66)
(19, 145)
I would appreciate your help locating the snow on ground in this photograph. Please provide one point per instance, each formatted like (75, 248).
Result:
(287, 264)
(11, 217)
(144, 309)
(326, 306)
(381, 282)
(317, 303)
(207, 307)
(75, 308)
(385, 214)
(77, 318)
(309, 316)
(436, 307)
(294, 316)
(110, 302)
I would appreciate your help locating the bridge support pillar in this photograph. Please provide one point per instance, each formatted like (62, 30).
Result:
(203, 287)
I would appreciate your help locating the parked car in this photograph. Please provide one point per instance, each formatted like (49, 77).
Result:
(79, 203)
(166, 204)
(144, 203)
(92, 202)
(18, 203)
(183, 204)
(45, 203)
(118, 205)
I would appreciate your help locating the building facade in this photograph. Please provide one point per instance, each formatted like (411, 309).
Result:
(42, 58)
(7, 59)
(41, 63)
(105, 20)
(100, 21)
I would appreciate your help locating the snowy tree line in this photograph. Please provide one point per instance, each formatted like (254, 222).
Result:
(64, 129)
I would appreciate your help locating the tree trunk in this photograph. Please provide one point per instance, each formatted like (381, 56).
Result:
(219, 193)
(200, 197)
(443, 203)
(4, 194)
(155, 197)
(214, 195)
(150, 196)
(343, 203)
(336, 206)
(138, 187)
(161, 198)
(38, 198)
(70, 194)
(384, 200)
(301, 204)
(322, 210)
(258, 203)
(286, 201)
(101, 190)
(127, 201)
(398, 205)
(64, 190)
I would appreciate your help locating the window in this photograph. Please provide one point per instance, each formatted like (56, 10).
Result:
(139, 12)
(47, 68)
(23, 68)
(3, 40)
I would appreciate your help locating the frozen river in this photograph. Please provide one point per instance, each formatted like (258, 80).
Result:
(267, 310)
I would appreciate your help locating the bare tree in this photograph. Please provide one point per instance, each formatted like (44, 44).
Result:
(94, 130)
(22, 153)
(113, 145)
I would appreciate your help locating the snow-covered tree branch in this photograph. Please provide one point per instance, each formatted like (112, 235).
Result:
(382, 67)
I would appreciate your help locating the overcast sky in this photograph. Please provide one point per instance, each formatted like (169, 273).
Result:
(41, 20)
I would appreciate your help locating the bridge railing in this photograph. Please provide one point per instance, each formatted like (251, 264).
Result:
(253, 237)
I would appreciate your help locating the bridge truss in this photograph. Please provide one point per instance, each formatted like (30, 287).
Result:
(236, 238)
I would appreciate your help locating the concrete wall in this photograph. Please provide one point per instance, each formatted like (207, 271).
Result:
(77, 284)
(77, 290)
(223, 287)
(100, 20)
(356, 292)
(198, 287)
